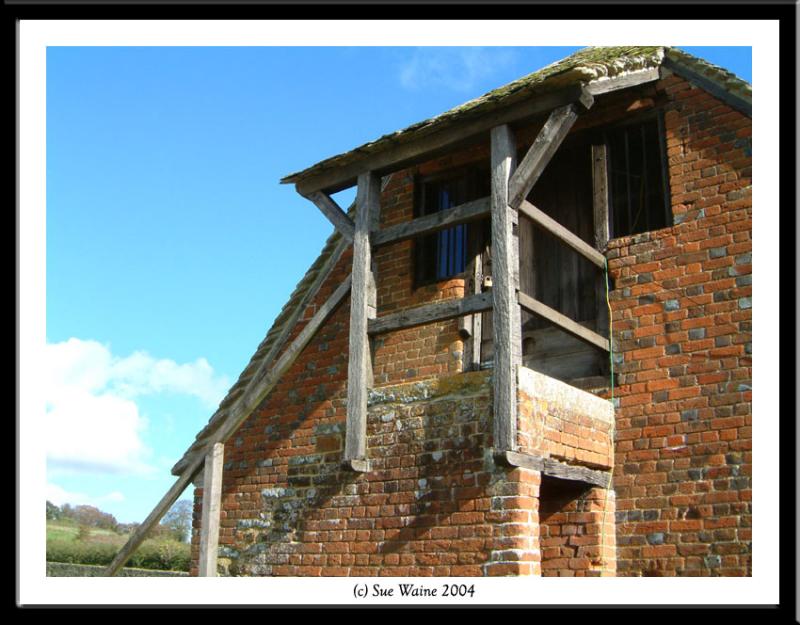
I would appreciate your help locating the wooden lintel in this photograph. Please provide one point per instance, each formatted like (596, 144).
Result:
(423, 146)
(362, 309)
(429, 313)
(463, 213)
(562, 321)
(554, 468)
(541, 152)
(212, 499)
(334, 213)
(546, 222)
(507, 330)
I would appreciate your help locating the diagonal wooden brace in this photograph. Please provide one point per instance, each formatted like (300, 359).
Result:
(334, 213)
(544, 147)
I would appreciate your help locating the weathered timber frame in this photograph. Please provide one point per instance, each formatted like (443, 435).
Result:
(510, 185)
(505, 202)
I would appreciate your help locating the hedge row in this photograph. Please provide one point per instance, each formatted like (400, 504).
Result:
(160, 556)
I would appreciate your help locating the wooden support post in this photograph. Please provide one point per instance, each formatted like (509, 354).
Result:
(471, 326)
(505, 282)
(601, 236)
(363, 301)
(212, 501)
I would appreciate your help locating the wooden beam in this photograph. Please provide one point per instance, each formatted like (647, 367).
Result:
(425, 145)
(600, 203)
(624, 81)
(563, 322)
(212, 504)
(471, 326)
(505, 281)
(718, 91)
(461, 214)
(362, 309)
(154, 517)
(429, 313)
(546, 222)
(334, 213)
(541, 152)
(259, 387)
(555, 468)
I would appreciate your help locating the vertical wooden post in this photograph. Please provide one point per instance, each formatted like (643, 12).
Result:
(212, 496)
(601, 236)
(363, 304)
(471, 326)
(505, 282)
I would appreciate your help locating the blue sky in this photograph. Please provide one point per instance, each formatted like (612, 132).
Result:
(171, 245)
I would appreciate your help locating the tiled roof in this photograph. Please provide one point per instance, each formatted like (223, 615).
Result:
(586, 65)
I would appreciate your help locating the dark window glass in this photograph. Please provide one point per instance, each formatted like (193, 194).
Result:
(637, 178)
(443, 255)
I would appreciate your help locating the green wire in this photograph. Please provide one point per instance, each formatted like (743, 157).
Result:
(610, 332)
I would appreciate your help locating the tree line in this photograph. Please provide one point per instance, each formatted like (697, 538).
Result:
(177, 522)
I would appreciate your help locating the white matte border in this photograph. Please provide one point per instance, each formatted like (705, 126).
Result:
(35, 36)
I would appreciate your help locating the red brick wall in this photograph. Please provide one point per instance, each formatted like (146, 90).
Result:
(682, 320)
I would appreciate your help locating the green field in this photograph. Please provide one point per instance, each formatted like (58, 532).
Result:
(69, 542)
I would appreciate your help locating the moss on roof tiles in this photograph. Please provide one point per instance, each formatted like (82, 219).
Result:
(585, 65)
(582, 66)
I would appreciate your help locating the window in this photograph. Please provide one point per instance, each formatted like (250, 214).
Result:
(637, 178)
(445, 254)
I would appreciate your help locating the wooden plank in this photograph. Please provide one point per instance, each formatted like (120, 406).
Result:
(334, 213)
(461, 214)
(562, 321)
(427, 145)
(544, 146)
(429, 313)
(554, 468)
(471, 326)
(250, 399)
(549, 224)
(625, 81)
(362, 309)
(564, 471)
(600, 203)
(212, 505)
(169, 498)
(505, 281)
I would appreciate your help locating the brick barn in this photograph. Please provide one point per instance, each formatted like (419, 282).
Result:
(525, 349)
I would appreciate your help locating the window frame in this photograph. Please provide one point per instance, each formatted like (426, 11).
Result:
(469, 172)
(656, 115)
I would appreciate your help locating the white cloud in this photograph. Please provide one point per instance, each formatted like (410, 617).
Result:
(59, 496)
(92, 420)
(459, 69)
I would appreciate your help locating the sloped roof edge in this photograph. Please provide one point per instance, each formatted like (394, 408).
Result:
(584, 66)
